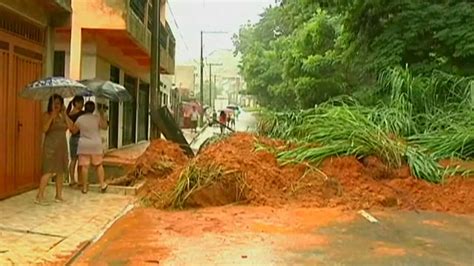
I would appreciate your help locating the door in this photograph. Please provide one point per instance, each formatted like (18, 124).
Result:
(143, 107)
(20, 132)
(130, 112)
(27, 67)
(4, 71)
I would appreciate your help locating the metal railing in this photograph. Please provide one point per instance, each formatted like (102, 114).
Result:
(138, 7)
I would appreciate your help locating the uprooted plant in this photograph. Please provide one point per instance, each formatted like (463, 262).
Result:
(197, 176)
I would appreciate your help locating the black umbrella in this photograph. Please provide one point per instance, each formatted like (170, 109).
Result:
(45, 88)
(106, 89)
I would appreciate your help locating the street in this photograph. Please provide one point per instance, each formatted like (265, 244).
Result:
(236, 235)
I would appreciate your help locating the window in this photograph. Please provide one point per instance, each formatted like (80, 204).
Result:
(114, 111)
(130, 111)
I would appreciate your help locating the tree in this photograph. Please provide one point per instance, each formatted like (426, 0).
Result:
(303, 52)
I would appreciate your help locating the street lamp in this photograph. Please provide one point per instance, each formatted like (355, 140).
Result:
(201, 84)
(210, 81)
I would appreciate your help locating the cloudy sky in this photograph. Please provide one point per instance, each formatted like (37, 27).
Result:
(188, 17)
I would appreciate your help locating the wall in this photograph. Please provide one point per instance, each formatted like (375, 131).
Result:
(167, 80)
(99, 14)
(184, 77)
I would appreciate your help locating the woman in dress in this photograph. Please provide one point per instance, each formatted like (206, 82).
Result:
(74, 111)
(55, 122)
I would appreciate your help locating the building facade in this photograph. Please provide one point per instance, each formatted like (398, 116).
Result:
(78, 39)
(110, 40)
(26, 53)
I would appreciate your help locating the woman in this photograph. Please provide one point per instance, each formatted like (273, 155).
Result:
(222, 121)
(74, 113)
(89, 149)
(55, 122)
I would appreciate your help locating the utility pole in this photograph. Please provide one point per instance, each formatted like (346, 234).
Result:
(155, 65)
(210, 81)
(210, 84)
(201, 83)
(215, 87)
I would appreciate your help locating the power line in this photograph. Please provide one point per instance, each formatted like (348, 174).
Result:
(180, 34)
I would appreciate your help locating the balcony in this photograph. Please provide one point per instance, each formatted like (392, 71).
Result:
(132, 17)
(139, 27)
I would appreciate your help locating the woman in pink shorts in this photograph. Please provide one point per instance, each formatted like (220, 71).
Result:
(89, 149)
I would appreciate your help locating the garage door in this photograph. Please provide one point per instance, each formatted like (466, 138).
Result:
(21, 62)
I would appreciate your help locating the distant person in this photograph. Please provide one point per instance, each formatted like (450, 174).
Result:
(55, 122)
(214, 116)
(89, 149)
(237, 112)
(232, 121)
(74, 111)
(222, 121)
(194, 119)
(228, 119)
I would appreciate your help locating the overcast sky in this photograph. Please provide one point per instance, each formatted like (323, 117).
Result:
(192, 16)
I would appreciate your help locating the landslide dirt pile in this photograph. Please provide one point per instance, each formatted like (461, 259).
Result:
(158, 161)
(232, 171)
(370, 184)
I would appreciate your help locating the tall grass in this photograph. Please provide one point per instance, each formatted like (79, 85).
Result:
(418, 120)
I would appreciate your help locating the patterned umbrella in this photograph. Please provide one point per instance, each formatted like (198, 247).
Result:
(45, 88)
(106, 89)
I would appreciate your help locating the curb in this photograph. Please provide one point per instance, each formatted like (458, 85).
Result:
(88, 243)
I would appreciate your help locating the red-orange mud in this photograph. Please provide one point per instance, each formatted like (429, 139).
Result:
(159, 159)
(347, 182)
(382, 249)
(434, 223)
(160, 150)
(148, 235)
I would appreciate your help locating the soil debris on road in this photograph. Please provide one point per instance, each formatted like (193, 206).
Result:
(233, 171)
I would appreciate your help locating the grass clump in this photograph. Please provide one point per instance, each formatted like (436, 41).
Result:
(199, 176)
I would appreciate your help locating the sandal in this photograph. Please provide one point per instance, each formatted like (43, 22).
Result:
(104, 189)
(58, 200)
(40, 202)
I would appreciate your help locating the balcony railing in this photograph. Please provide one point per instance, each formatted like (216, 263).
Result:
(163, 36)
(139, 26)
(138, 7)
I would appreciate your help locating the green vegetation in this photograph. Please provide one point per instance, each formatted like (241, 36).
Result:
(195, 177)
(386, 78)
(304, 52)
(417, 120)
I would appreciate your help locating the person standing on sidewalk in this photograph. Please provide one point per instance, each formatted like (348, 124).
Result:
(74, 113)
(89, 149)
(55, 160)
(194, 119)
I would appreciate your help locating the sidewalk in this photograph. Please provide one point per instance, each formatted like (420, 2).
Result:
(34, 234)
